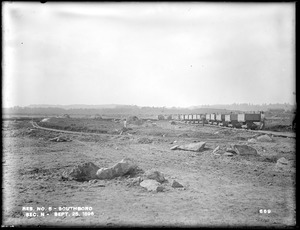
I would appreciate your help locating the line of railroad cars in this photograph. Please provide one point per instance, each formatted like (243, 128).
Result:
(241, 120)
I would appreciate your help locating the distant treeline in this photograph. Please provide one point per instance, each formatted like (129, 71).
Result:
(128, 110)
(253, 107)
(136, 110)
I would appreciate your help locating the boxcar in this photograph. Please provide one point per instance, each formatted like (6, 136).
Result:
(207, 116)
(249, 117)
(220, 117)
(231, 117)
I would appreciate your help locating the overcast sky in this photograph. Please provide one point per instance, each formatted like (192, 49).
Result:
(148, 54)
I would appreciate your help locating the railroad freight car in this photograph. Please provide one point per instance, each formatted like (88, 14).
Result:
(194, 118)
(213, 119)
(220, 118)
(186, 117)
(232, 120)
(207, 116)
(249, 117)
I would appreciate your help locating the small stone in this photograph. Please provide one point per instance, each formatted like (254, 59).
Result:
(229, 154)
(252, 140)
(230, 150)
(137, 180)
(154, 175)
(283, 160)
(100, 185)
(244, 150)
(216, 149)
(174, 147)
(176, 184)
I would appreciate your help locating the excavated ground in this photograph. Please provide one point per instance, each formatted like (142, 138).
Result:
(218, 190)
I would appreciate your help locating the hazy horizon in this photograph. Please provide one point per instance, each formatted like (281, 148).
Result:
(123, 105)
(148, 54)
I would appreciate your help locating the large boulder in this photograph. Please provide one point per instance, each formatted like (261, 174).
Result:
(154, 175)
(244, 150)
(196, 147)
(125, 166)
(152, 185)
(82, 172)
(264, 138)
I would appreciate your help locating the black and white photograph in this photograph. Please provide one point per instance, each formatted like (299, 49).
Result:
(148, 114)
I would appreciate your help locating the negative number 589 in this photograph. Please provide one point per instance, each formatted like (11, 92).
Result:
(265, 211)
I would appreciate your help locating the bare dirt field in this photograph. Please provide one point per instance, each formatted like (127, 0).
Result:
(219, 190)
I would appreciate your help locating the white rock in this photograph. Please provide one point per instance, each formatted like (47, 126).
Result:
(283, 160)
(252, 140)
(174, 147)
(196, 147)
(264, 138)
(152, 185)
(119, 169)
(216, 149)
